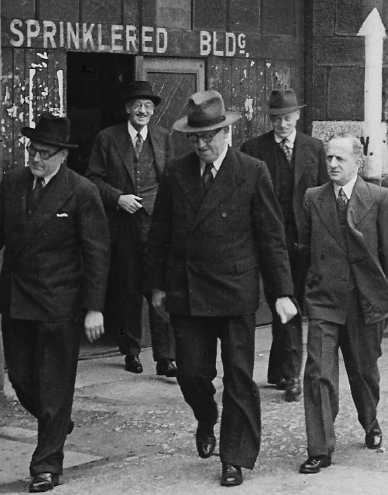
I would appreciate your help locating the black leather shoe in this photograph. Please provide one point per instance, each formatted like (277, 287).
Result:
(133, 364)
(315, 463)
(205, 440)
(166, 367)
(43, 482)
(281, 385)
(231, 475)
(293, 390)
(374, 438)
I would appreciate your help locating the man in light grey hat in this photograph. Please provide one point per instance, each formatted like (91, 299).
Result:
(215, 221)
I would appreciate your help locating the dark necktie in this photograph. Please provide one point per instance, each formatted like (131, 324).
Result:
(284, 144)
(207, 177)
(36, 194)
(138, 144)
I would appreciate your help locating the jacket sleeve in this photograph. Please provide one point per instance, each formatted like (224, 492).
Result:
(160, 234)
(382, 220)
(93, 230)
(270, 237)
(97, 170)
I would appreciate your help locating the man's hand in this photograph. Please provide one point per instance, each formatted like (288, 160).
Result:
(94, 325)
(285, 308)
(130, 203)
(159, 303)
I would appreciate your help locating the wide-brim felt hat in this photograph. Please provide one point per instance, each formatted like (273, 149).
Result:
(205, 112)
(51, 130)
(140, 90)
(281, 102)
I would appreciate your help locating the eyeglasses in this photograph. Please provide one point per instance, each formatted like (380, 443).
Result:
(206, 136)
(44, 154)
(139, 105)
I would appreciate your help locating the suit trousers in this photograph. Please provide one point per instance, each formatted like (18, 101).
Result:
(42, 360)
(196, 351)
(286, 354)
(126, 292)
(361, 347)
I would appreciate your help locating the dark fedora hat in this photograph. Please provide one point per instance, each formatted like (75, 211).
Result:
(51, 130)
(205, 112)
(141, 89)
(284, 101)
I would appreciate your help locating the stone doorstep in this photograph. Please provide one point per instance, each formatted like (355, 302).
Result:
(15, 455)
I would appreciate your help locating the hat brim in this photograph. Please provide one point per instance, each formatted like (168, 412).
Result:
(31, 133)
(139, 96)
(284, 111)
(181, 125)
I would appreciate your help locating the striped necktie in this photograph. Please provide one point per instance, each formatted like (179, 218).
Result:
(284, 144)
(138, 144)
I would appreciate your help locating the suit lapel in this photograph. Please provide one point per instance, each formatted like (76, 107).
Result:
(58, 192)
(327, 211)
(299, 162)
(125, 149)
(360, 203)
(189, 178)
(158, 148)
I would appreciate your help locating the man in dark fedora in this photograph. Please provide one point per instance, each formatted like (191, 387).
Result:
(53, 279)
(215, 221)
(295, 161)
(126, 164)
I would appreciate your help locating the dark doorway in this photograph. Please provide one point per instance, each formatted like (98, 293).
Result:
(94, 88)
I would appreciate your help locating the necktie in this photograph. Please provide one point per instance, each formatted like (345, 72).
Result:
(36, 194)
(286, 148)
(207, 177)
(138, 144)
(342, 201)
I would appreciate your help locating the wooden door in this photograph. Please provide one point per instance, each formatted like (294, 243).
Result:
(175, 80)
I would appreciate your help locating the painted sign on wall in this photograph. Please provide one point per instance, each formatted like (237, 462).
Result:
(129, 38)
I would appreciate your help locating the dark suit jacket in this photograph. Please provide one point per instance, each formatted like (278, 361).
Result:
(55, 261)
(309, 164)
(337, 265)
(206, 253)
(112, 168)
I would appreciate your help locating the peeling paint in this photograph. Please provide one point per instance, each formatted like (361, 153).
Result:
(248, 104)
(12, 111)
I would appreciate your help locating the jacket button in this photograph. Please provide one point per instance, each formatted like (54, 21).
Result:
(223, 214)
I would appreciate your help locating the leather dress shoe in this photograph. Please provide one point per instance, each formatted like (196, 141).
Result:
(315, 463)
(293, 390)
(43, 482)
(205, 439)
(166, 367)
(374, 438)
(133, 364)
(281, 385)
(231, 475)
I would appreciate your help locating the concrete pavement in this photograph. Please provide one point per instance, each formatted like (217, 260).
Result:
(135, 434)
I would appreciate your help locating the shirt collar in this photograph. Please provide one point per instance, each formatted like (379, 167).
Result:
(347, 188)
(133, 132)
(47, 178)
(217, 163)
(290, 139)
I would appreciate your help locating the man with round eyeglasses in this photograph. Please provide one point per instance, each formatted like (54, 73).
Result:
(52, 282)
(215, 221)
(126, 164)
